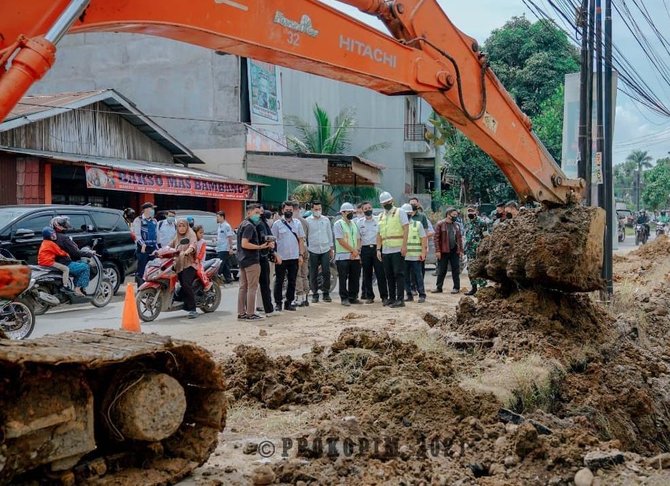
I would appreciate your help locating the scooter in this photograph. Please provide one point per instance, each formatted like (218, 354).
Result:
(160, 290)
(49, 290)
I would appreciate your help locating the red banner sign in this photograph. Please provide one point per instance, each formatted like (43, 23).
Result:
(128, 180)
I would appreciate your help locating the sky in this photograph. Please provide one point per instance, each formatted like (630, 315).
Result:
(635, 126)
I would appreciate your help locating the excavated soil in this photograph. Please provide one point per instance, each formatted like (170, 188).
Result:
(551, 248)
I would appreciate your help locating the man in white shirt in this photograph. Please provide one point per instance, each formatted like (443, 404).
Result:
(225, 238)
(290, 240)
(167, 229)
(369, 228)
(321, 249)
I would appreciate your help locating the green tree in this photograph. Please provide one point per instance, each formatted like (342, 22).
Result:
(641, 160)
(548, 124)
(657, 186)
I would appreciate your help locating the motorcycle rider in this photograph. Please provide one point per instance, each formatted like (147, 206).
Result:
(80, 270)
(643, 219)
(52, 255)
(185, 264)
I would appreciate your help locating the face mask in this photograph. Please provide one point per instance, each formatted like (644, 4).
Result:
(151, 213)
(288, 214)
(415, 207)
(350, 216)
(316, 214)
(388, 206)
(471, 216)
(255, 218)
(508, 215)
(368, 213)
(170, 219)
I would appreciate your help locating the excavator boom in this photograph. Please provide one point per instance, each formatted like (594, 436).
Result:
(427, 56)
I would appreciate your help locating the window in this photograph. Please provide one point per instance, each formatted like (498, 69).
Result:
(79, 222)
(34, 223)
(105, 221)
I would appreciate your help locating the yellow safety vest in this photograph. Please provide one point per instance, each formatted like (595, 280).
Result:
(351, 235)
(414, 240)
(390, 229)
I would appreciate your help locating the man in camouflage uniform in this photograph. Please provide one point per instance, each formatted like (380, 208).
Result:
(476, 227)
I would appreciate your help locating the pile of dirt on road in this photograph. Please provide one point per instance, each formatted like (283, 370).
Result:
(551, 248)
(404, 413)
(656, 249)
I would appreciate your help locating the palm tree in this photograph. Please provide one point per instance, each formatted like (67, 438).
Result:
(642, 160)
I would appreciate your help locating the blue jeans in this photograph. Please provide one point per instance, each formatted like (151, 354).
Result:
(413, 270)
(81, 273)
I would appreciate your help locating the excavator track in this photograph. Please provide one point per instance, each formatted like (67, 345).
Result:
(106, 407)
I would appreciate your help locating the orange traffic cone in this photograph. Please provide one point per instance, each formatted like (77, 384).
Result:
(130, 320)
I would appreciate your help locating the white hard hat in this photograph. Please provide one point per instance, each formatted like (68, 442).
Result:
(385, 197)
(407, 208)
(347, 207)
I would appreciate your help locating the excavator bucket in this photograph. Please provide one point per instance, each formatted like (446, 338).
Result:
(560, 249)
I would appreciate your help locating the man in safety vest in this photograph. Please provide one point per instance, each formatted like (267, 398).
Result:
(392, 247)
(347, 255)
(417, 248)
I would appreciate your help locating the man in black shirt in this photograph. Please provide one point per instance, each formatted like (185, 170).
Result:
(248, 257)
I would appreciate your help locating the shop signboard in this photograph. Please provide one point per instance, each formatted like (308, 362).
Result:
(114, 179)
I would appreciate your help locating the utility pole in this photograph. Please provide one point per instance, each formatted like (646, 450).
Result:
(607, 156)
(599, 100)
(590, 21)
(583, 76)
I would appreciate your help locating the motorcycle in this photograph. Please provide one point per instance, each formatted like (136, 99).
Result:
(661, 229)
(641, 234)
(49, 290)
(17, 318)
(621, 232)
(160, 290)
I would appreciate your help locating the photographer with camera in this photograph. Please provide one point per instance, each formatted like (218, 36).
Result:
(268, 257)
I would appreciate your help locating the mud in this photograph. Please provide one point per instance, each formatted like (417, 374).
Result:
(556, 248)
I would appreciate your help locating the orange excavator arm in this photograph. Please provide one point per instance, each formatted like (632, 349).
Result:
(427, 56)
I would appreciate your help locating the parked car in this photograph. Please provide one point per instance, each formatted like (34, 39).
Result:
(209, 224)
(21, 234)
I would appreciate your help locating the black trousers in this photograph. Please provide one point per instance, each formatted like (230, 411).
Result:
(287, 269)
(224, 269)
(447, 259)
(349, 274)
(264, 284)
(142, 260)
(371, 264)
(316, 261)
(394, 269)
(186, 278)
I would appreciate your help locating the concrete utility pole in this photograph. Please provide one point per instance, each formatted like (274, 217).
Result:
(607, 155)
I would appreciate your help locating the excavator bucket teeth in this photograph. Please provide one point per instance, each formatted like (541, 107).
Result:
(102, 406)
(560, 248)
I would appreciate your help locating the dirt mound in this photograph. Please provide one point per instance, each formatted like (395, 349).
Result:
(657, 249)
(552, 248)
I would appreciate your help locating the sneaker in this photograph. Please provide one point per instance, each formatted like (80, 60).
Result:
(315, 299)
(270, 314)
(436, 291)
(422, 299)
(472, 291)
(254, 317)
(193, 314)
(410, 298)
(326, 298)
(290, 307)
(355, 301)
(370, 301)
(259, 309)
(278, 309)
(241, 317)
(346, 303)
(386, 302)
(397, 303)
(456, 291)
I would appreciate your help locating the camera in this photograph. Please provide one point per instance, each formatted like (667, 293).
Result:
(269, 238)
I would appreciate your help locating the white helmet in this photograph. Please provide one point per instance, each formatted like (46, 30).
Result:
(385, 197)
(407, 208)
(347, 207)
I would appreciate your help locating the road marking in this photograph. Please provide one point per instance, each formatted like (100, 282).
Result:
(232, 3)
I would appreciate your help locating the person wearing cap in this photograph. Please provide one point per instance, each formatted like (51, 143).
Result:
(368, 227)
(476, 228)
(145, 228)
(321, 251)
(417, 249)
(302, 280)
(225, 240)
(392, 247)
(347, 254)
(448, 250)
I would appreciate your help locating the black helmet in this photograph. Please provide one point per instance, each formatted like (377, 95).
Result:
(61, 223)
(129, 213)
